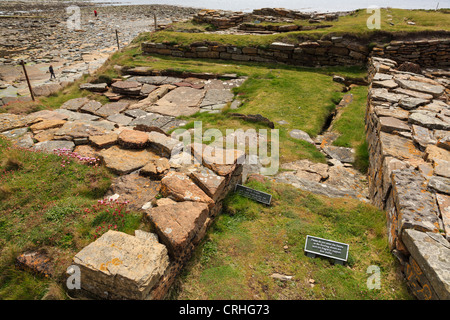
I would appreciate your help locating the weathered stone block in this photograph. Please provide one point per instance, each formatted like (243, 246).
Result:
(177, 224)
(121, 266)
(432, 253)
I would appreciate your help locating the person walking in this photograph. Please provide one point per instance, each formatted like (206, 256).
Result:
(95, 13)
(52, 72)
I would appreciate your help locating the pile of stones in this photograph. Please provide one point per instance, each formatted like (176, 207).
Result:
(178, 187)
(408, 132)
(228, 19)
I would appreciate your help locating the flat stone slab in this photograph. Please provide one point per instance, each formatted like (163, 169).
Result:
(120, 119)
(47, 124)
(440, 184)
(432, 253)
(391, 124)
(398, 147)
(428, 121)
(123, 161)
(36, 262)
(155, 80)
(384, 95)
(183, 97)
(136, 189)
(346, 155)
(416, 208)
(300, 135)
(127, 87)
(91, 107)
(75, 104)
(434, 90)
(11, 121)
(163, 144)
(80, 129)
(112, 108)
(132, 139)
(156, 169)
(173, 110)
(314, 187)
(179, 187)
(282, 46)
(104, 141)
(74, 116)
(221, 161)
(45, 115)
(94, 87)
(177, 224)
(212, 184)
(135, 113)
(121, 266)
(414, 94)
(147, 119)
(217, 96)
(50, 146)
(410, 103)
(15, 133)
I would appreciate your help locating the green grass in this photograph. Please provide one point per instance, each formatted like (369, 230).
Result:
(356, 24)
(47, 206)
(350, 126)
(250, 241)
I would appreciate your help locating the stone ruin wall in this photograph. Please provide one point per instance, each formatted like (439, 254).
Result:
(252, 21)
(119, 266)
(327, 52)
(407, 123)
(222, 19)
(408, 133)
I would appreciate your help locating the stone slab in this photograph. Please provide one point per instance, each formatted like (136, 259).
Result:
(121, 266)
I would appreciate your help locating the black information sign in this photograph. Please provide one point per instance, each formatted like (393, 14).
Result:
(253, 194)
(326, 248)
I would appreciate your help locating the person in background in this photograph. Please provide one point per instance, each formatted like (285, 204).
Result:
(52, 72)
(95, 13)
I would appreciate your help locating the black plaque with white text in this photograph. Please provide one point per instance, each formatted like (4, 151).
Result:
(253, 194)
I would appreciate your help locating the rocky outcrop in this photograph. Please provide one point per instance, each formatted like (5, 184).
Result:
(405, 119)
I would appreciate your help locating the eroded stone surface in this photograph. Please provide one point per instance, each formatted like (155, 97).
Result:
(177, 224)
(121, 266)
(123, 161)
(432, 253)
(180, 187)
(134, 188)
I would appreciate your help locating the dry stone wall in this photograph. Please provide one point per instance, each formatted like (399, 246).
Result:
(335, 51)
(408, 132)
(330, 51)
(424, 52)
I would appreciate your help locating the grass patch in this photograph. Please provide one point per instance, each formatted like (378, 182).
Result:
(48, 206)
(250, 241)
(393, 22)
(350, 126)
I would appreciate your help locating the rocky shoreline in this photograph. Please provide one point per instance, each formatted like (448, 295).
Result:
(37, 33)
